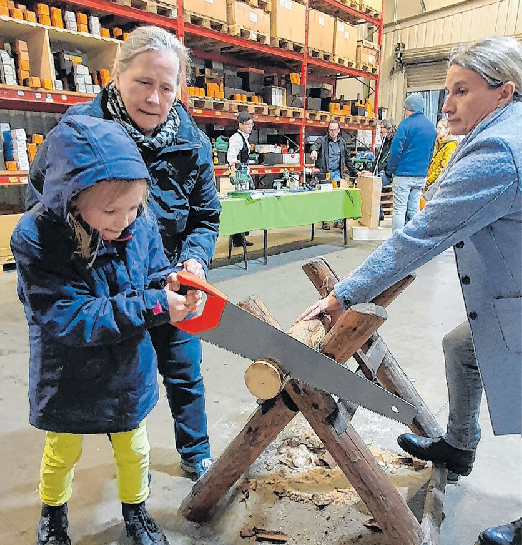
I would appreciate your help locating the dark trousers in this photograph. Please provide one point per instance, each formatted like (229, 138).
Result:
(179, 362)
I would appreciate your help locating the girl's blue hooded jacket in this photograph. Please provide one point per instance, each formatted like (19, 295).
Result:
(92, 365)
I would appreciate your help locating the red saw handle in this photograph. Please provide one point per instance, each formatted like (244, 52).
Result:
(209, 318)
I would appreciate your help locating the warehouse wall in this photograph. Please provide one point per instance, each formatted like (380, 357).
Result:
(445, 22)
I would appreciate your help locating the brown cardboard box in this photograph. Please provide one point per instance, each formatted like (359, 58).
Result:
(370, 187)
(345, 40)
(367, 52)
(287, 21)
(239, 13)
(214, 9)
(320, 30)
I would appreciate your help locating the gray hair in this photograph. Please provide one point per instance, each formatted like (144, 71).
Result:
(496, 60)
(388, 124)
(151, 38)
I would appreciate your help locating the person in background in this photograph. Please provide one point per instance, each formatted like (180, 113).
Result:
(409, 160)
(331, 155)
(93, 277)
(182, 196)
(381, 157)
(237, 157)
(445, 145)
(477, 209)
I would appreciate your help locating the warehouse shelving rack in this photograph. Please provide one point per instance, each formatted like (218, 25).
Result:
(208, 44)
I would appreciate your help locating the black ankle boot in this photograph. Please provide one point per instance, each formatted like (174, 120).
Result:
(457, 460)
(140, 526)
(52, 529)
(508, 534)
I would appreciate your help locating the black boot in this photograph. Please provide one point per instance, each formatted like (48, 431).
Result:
(140, 526)
(52, 529)
(508, 534)
(437, 450)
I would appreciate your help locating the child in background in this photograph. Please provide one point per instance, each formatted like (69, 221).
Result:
(93, 277)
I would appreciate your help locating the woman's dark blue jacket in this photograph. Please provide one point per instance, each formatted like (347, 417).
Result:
(182, 194)
(92, 368)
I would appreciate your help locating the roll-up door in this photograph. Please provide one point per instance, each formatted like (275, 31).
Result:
(426, 68)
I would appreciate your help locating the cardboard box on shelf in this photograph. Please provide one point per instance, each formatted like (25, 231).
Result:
(275, 96)
(345, 40)
(240, 13)
(214, 9)
(287, 21)
(367, 52)
(372, 4)
(320, 30)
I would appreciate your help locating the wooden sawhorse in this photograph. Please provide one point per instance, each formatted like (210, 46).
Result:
(354, 334)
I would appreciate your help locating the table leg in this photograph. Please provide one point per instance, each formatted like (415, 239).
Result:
(245, 252)
(344, 232)
(229, 247)
(313, 232)
(265, 241)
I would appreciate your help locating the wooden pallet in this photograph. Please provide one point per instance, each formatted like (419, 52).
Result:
(286, 44)
(150, 6)
(343, 61)
(207, 103)
(166, 10)
(274, 110)
(259, 108)
(370, 11)
(239, 106)
(317, 115)
(359, 119)
(363, 67)
(285, 112)
(204, 22)
(249, 34)
(350, 3)
(340, 118)
(265, 5)
(318, 54)
(297, 113)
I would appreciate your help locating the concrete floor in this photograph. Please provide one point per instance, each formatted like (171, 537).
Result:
(417, 320)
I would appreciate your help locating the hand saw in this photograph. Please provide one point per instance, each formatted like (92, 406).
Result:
(236, 330)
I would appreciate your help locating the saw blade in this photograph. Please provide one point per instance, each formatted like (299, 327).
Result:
(244, 334)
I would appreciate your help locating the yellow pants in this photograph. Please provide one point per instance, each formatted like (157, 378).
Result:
(63, 450)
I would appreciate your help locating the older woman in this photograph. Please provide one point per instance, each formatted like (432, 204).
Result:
(477, 210)
(182, 195)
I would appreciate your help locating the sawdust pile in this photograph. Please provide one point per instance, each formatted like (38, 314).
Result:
(302, 470)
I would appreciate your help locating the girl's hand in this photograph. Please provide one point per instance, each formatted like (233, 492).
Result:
(330, 305)
(181, 305)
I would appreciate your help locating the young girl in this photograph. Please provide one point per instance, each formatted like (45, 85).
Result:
(93, 277)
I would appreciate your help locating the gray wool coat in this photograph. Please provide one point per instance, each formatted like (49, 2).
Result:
(477, 210)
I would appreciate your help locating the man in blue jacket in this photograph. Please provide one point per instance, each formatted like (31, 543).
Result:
(409, 160)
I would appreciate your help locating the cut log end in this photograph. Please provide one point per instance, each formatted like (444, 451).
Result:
(264, 379)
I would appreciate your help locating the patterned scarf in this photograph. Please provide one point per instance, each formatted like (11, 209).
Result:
(163, 134)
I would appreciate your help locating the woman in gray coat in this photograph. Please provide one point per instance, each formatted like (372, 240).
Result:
(476, 208)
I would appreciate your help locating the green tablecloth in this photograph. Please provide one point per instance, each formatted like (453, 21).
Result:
(288, 210)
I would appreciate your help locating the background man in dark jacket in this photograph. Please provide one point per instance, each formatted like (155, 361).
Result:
(409, 160)
(330, 153)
